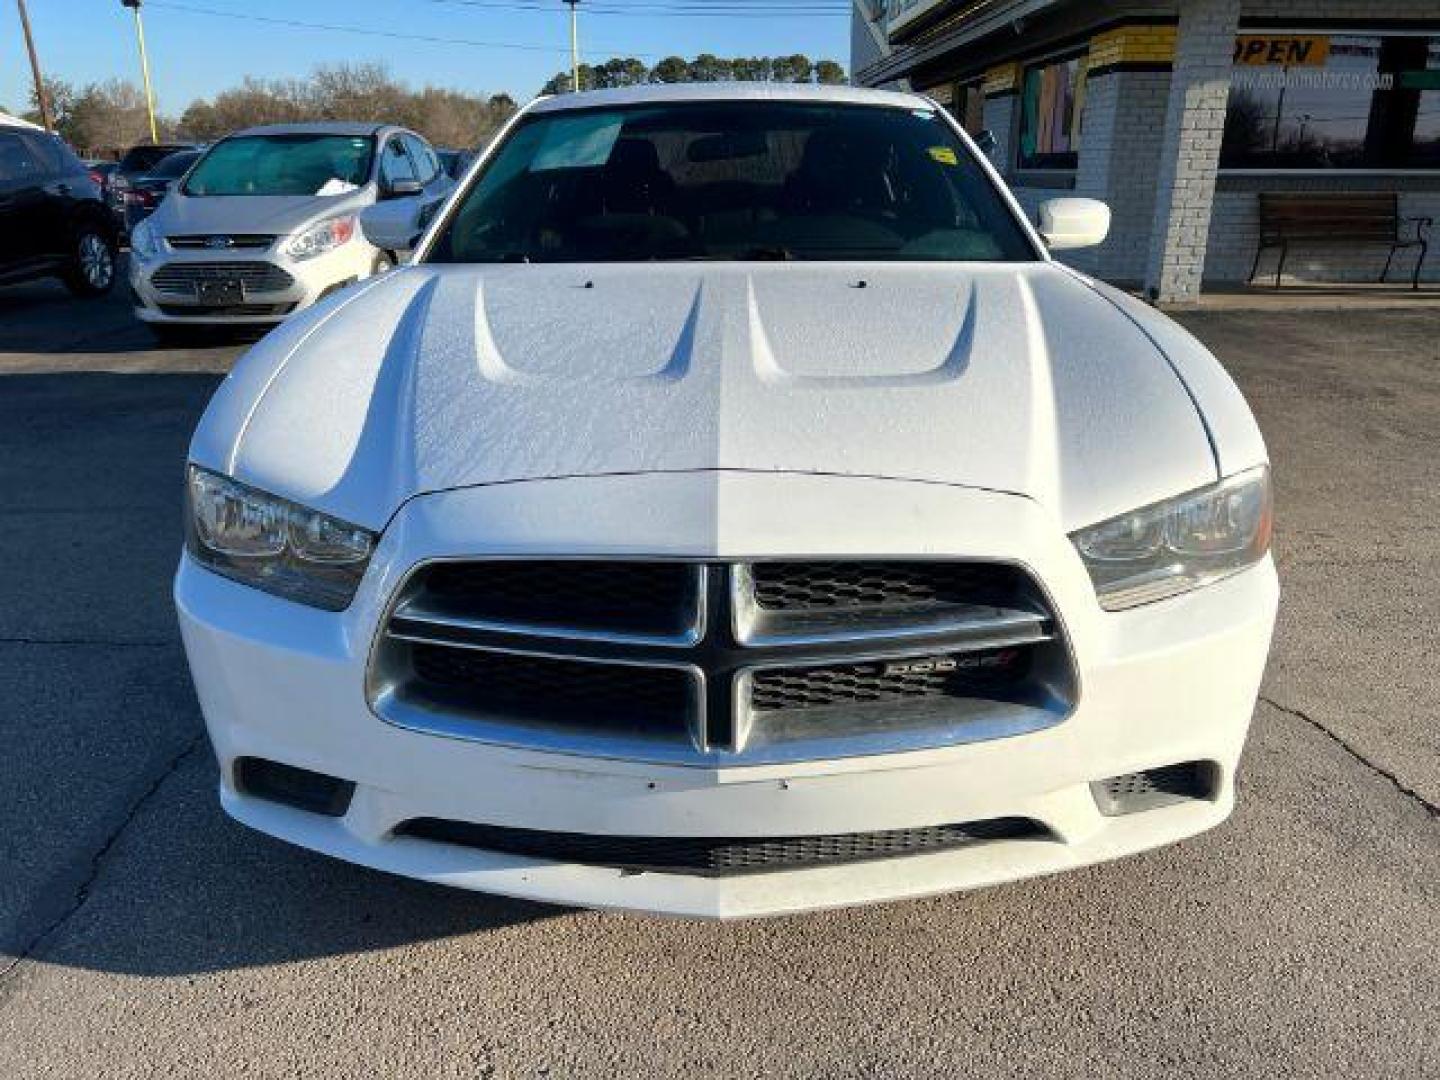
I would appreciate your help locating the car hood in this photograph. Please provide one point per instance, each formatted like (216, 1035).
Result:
(1012, 378)
(280, 214)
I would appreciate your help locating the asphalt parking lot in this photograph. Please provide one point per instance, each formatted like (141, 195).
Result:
(143, 934)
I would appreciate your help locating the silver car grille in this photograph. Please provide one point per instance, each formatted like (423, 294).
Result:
(222, 242)
(721, 663)
(182, 278)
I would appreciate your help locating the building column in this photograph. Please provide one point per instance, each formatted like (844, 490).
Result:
(1127, 88)
(1190, 148)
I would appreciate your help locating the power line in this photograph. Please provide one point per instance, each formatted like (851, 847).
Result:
(723, 9)
(371, 32)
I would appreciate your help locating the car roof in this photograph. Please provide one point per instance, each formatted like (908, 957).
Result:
(6, 120)
(733, 91)
(319, 127)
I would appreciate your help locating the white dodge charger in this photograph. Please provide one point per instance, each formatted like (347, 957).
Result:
(732, 510)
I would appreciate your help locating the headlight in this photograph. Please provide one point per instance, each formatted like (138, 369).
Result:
(321, 238)
(273, 544)
(1180, 544)
(143, 240)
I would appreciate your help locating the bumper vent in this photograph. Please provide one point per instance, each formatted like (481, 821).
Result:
(718, 857)
(182, 278)
(226, 311)
(298, 788)
(1136, 792)
(721, 663)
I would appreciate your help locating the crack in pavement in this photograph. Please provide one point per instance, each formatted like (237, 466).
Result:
(1395, 781)
(97, 860)
(101, 643)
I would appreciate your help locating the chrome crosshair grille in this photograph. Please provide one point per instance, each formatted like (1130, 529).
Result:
(721, 663)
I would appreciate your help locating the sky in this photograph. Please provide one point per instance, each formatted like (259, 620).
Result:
(196, 49)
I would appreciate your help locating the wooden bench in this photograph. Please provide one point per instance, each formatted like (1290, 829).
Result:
(1336, 219)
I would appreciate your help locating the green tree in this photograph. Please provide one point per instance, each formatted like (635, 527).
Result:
(673, 69)
(792, 69)
(829, 73)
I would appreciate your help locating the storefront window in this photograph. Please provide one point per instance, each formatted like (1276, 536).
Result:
(1051, 100)
(1334, 101)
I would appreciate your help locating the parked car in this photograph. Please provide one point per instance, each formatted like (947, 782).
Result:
(455, 162)
(52, 219)
(732, 509)
(135, 162)
(145, 192)
(101, 171)
(266, 222)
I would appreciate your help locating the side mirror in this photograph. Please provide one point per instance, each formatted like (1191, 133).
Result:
(402, 189)
(987, 142)
(392, 226)
(1069, 224)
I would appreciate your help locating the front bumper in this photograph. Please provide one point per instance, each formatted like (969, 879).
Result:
(1167, 683)
(310, 281)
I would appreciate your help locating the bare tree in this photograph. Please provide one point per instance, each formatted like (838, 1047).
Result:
(351, 92)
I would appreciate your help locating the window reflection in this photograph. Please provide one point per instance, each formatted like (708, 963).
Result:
(1334, 102)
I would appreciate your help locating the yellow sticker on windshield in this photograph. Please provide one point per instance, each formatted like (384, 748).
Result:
(944, 155)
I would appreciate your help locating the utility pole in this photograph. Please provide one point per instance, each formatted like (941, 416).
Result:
(134, 5)
(574, 44)
(40, 97)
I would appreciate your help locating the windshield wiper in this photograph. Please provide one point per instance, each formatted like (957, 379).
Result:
(754, 254)
(767, 254)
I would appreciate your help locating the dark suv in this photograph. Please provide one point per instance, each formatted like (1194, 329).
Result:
(136, 163)
(52, 219)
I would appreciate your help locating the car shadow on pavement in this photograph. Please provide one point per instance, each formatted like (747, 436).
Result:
(116, 855)
(183, 890)
(42, 318)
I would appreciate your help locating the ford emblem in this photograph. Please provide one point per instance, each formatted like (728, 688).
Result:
(217, 241)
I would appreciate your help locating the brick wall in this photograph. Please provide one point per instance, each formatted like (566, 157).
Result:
(1120, 163)
(1190, 147)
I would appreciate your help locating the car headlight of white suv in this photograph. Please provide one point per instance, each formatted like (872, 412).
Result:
(320, 238)
(273, 544)
(1180, 544)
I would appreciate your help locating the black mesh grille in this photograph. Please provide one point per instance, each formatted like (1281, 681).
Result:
(542, 688)
(182, 278)
(826, 586)
(718, 856)
(1139, 791)
(622, 597)
(957, 676)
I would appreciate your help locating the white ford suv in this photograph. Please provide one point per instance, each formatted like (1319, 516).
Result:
(732, 510)
(266, 223)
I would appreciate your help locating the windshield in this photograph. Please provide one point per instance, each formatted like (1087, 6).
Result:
(290, 164)
(732, 180)
(175, 164)
(141, 158)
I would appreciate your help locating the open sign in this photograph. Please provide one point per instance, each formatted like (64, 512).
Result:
(1283, 50)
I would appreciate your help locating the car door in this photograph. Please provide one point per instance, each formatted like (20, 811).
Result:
(23, 203)
(65, 185)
